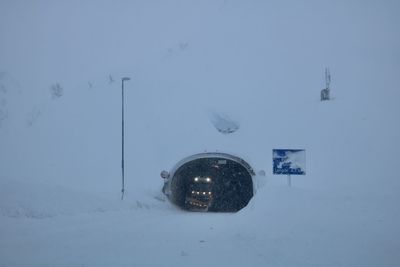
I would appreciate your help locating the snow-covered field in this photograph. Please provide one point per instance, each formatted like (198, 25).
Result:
(258, 65)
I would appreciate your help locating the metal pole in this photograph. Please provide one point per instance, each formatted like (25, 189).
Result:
(123, 137)
(289, 180)
(122, 158)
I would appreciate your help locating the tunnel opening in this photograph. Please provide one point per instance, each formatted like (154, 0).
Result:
(215, 183)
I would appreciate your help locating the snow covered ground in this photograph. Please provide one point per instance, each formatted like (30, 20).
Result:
(258, 65)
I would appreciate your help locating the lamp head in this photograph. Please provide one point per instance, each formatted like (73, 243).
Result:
(125, 79)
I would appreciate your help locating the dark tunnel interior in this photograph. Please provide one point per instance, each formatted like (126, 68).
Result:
(212, 184)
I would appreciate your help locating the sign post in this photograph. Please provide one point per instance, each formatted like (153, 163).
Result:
(289, 162)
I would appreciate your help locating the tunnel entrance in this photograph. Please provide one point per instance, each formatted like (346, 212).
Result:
(213, 182)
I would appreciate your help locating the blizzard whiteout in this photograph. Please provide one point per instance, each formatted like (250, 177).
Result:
(242, 77)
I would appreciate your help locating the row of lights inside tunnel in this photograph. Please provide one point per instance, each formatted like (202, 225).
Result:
(198, 204)
(201, 179)
(199, 193)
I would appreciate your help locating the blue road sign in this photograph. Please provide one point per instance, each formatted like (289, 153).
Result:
(289, 161)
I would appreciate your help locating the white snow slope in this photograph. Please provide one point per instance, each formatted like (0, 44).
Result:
(258, 63)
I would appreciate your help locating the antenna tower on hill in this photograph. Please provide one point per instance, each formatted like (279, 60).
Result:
(325, 92)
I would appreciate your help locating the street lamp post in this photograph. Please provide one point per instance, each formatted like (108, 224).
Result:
(122, 160)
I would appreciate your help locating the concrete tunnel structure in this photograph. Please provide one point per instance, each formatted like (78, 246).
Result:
(216, 182)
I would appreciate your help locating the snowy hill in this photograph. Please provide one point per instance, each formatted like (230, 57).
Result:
(197, 68)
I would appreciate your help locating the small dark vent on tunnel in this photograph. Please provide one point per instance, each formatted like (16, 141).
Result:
(214, 182)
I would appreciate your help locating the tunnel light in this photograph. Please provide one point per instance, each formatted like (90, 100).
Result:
(198, 192)
(208, 179)
(204, 193)
(209, 193)
(196, 179)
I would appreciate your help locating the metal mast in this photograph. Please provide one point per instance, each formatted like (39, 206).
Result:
(123, 130)
(327, 78)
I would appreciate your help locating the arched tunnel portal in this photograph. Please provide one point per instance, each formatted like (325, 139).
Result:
(214, 182)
